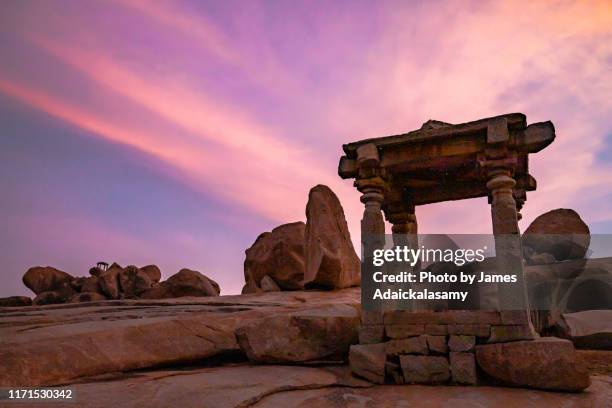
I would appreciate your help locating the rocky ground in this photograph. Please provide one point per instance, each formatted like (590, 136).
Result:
(185, 352)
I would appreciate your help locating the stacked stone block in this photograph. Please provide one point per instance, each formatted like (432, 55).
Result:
(428, 347)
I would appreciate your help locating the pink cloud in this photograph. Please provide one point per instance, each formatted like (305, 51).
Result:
(449, 61)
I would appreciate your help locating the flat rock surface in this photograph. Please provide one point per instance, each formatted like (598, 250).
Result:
(110, 354)
(293, 386)
(46, 345)
(598, 395)
(218, 387)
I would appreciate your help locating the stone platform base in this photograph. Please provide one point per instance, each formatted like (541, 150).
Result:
(463, 347)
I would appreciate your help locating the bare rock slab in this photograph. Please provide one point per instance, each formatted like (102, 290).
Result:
(598, 395)
(425, 369)
(313, 335)
(368, 361)
(547, 363)
(214, 387)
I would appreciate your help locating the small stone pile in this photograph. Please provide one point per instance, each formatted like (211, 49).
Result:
(462, 347)
(53, 286)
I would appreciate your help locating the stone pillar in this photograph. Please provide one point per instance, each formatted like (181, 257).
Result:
(403, 225)
(404, 230)
(371, 184)
(372, 237)
(372, 223)
(499, 165)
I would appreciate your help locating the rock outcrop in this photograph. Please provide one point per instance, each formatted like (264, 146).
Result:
(153, 272)
(268, 285)
(92, 284)
(41, 279)
(123, 335)
(590, 329)
(53, 297)
(545, 363)
(190, 280)
(134, 281)
(315, 335)
(185, 282)
(14, 301)
(278, 254)
(319, 253)
(109, 281)
(566, 287)
(53, 286)
(87, 297)
(559, 233)
(331, 261)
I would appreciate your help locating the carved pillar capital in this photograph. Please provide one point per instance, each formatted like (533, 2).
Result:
(503, 204)
(403, 222)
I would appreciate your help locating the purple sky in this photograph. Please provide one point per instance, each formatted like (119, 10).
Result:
(175, 132)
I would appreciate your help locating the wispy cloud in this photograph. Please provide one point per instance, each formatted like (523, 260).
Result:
(250, 102)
